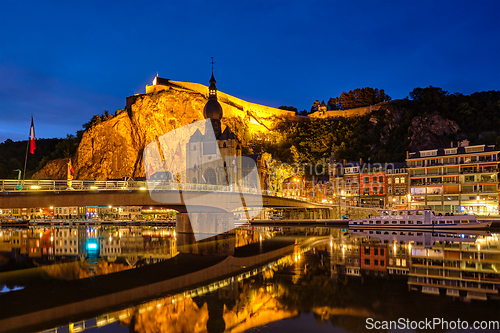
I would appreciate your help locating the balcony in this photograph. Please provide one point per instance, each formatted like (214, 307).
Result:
(488, 180)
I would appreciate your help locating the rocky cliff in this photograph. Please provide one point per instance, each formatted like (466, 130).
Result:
(114, 147)
(430, 131)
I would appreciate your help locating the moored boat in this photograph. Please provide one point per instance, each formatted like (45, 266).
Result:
(11, 220)
(418, 219)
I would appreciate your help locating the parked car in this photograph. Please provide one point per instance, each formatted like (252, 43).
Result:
(276, 217)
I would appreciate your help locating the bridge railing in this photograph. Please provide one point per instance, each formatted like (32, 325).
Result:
(11, 186)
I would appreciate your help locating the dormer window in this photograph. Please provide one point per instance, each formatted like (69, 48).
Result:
(474, 149)
(428, 153)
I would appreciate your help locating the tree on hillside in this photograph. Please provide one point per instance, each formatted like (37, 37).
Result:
(358, 98)
(289, 108)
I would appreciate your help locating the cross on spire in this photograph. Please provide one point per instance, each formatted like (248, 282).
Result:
(212, 63)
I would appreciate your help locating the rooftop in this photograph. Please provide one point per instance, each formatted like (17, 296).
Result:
(453, 151)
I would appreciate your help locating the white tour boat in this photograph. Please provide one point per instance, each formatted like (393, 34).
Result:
(418, 219)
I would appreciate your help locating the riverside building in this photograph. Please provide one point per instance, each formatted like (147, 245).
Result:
(457, 180)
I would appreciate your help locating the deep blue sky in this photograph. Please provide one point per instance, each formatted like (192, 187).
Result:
(68, 60)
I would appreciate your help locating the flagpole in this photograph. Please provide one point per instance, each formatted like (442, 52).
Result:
(27, 147)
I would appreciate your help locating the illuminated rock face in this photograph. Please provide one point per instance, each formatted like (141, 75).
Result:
(183, 316)
(114, 147)
(256, 308)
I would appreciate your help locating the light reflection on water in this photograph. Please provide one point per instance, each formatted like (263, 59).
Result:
(7, 289)
(335, 285)
(76, 252)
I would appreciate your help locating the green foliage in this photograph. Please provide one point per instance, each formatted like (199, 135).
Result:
(384, 135)
(358, 97)
(97, 119)
(14, 152)
(278, 172)
(312, 142)
(289, 108)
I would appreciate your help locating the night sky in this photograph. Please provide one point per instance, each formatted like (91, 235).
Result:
(66, 61)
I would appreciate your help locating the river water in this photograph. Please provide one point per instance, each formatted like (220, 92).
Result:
(329, 280)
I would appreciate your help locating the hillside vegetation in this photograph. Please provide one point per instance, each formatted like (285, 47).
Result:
(428, 118)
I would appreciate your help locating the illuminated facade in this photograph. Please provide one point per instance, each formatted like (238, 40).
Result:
(372, 186)
(460, 179)
(396, 176)
(345, 179)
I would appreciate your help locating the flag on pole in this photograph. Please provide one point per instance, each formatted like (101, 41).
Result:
(149, 172)
(32, 137)
(203, 178)
(70, 173)
(70, 170)
(178, 150)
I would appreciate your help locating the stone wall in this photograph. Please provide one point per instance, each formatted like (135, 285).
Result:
(346, 113)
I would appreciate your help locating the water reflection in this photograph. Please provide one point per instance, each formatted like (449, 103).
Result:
(76, 252)
(340, 280)
(456, 264)
(353, 276)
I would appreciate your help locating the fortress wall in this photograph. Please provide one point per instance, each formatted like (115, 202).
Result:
(261, 110)
(347, 113)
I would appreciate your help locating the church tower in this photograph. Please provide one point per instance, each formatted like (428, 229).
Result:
(213, 109)
(213, 158)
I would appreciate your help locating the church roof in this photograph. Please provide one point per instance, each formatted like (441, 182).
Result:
(227, 134)
(196, 137)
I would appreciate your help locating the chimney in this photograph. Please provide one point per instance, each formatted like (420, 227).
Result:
(452, 144)
(344, 161)
(360, 161)
(407, 154)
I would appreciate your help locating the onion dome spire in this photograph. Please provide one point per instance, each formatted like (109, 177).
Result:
(213, 109)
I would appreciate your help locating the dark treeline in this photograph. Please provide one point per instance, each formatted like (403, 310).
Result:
(358, 97)
(14, 152)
